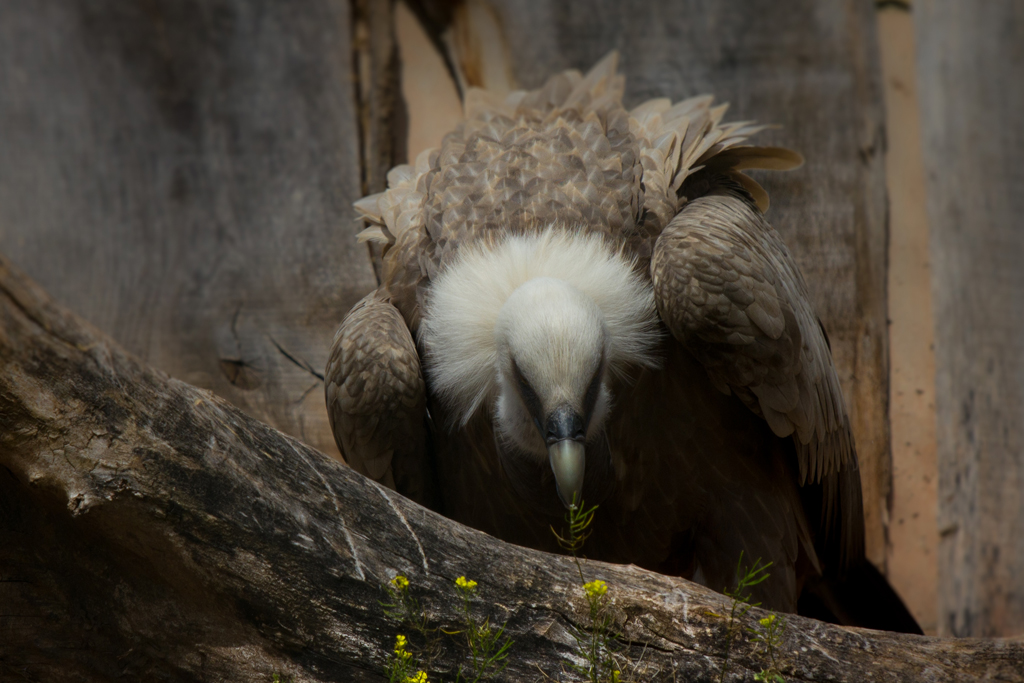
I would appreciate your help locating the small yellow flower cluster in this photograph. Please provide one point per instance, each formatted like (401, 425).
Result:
(418, 677)
(400, 650)
(400, 582)
(596, 588)
(767, 621)
(615, 676)
(465, 584)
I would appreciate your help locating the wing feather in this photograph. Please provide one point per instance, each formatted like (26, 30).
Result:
(759, 334)
(730, 292)
(376, 398)
(700, 479)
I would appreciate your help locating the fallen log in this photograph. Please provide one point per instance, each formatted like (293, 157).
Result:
(151, 531)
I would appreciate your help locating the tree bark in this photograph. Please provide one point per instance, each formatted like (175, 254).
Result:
(151, 531)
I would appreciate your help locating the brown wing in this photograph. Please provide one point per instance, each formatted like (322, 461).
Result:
(376, 398)
(729, 291)
(700, 480)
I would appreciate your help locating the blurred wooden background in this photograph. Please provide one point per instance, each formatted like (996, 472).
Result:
(181, 174)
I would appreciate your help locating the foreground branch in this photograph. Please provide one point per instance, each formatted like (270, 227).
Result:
(149, 530)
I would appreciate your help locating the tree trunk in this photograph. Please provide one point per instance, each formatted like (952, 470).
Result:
(151, 531)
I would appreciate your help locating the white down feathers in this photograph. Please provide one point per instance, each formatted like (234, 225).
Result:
(463, 306)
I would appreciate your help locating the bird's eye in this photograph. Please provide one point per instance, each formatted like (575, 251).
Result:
(590, 398)
(527, 393)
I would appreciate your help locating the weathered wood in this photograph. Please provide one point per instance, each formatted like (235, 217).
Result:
(971, 85)
(913, 532)
(182, 174)
(430, 93)
(812, 69)
(383, 121)
(150, 530)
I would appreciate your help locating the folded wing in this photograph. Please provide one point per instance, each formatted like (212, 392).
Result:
(376, 399)
(729, 290)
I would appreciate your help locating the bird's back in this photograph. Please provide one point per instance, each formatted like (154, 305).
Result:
(513, 169)
(567, 155)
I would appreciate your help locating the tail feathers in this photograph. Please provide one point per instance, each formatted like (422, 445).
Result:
(861, 597)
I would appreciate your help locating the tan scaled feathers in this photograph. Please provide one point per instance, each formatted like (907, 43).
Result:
(674, 141)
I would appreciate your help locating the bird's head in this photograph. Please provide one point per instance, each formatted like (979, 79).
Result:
(535, 328)
(553, 393)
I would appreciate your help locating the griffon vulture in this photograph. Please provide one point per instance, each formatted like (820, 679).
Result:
(583, 300)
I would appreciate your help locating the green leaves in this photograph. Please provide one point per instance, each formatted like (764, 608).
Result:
(578, 518)
(769, 629)
(488, 646)
(747, 578)
(596, 643)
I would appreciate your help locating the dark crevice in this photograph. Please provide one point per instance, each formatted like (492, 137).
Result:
(238, 371)
(297, 361)
(902, 5)
(436, 18)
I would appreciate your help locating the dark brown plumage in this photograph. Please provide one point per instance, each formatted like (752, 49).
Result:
(726, 433)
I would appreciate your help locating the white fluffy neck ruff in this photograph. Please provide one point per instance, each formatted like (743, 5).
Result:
(463, 306)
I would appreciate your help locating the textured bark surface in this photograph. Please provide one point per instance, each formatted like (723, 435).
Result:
(151, 531)
(971, 85)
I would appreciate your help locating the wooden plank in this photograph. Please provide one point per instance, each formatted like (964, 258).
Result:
(913, 539)
(181, 174)
(971, 85)
(430, 94)
(813, 69)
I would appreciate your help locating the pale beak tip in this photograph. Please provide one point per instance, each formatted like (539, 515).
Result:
(568, 462)
(567, 501)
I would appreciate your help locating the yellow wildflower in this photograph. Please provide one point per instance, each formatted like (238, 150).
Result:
(419, 677)
(595, 588)
(767, 621)
(615, 676)
(465, 584)
(400, 582)
(400, 650)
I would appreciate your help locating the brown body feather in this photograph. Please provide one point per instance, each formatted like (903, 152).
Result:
(738, 442)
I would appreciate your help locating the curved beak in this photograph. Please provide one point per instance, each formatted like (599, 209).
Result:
(568, 462)
(565, 434)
